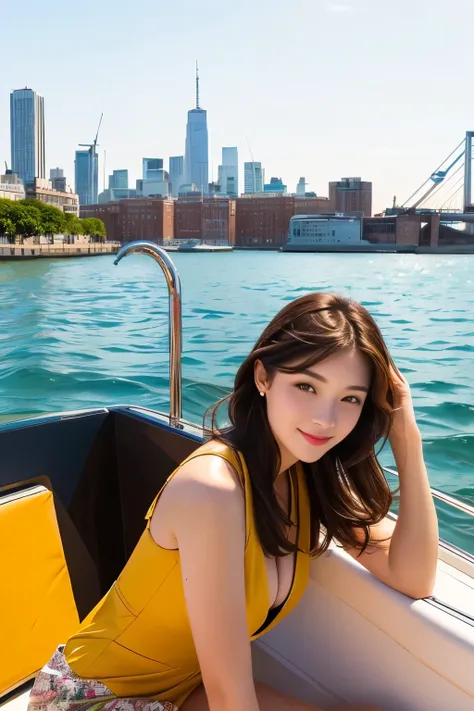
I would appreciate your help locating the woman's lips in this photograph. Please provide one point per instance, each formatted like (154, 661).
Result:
(312, 439)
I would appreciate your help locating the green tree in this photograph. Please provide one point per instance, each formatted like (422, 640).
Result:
(27, 220)
(7, 219)
(94, 227)
(52, 220)
(72, 224)
(99, 228)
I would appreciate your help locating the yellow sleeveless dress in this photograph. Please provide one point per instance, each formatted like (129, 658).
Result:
(138, 641)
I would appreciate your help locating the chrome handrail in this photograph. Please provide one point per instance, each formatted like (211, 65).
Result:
(445, 498)
(175, 320)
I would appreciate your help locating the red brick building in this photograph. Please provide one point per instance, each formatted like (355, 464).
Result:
(110, 216)
(264, 221)
(211, 219)
(312, 206)
(136, 218)
(147, 218)
(351, 195)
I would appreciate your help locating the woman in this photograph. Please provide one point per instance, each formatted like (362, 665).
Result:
(226, 551)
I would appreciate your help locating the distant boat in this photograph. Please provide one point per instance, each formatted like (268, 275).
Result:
(196, 245)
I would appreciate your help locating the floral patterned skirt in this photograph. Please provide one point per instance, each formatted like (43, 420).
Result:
(57, 688)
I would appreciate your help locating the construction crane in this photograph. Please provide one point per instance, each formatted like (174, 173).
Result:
(95, 144)
(92, 155)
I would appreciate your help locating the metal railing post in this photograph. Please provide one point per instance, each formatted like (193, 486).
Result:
(175, 319)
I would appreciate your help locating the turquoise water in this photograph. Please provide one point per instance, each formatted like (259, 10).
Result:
(81, 333)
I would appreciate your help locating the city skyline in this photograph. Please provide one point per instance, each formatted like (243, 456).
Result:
(190, 170)
(324, 90)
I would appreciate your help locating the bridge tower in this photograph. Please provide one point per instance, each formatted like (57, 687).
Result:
(468, 172)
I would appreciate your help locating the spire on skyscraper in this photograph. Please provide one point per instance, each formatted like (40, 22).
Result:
(197, 86)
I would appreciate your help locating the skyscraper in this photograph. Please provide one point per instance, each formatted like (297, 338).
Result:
(228, 176)
(27, 135)
(58, 181)
(155, 181)
(196, 156)
(119, 180)
(301, 187)
(176, 172)
(56, 173)
(253, 177)
(86, 173)
(152, 168)
(274, 186)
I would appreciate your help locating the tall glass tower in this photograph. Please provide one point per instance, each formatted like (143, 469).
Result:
(176, 173)
(86, 174)
(196, 156)
(27, 135)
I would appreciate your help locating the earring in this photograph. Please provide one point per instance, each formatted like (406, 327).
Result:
(262, 394)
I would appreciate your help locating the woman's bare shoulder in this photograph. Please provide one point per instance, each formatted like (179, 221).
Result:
(206, 474)
(203, 486)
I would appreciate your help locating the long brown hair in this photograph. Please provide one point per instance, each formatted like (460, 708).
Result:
(347, 487)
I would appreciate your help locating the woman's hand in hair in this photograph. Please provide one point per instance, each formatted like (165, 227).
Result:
(404, 424)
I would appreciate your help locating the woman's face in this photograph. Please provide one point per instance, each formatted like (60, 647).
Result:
(313, 410)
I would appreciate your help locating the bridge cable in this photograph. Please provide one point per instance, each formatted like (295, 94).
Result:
(444, 183)
(435, 171)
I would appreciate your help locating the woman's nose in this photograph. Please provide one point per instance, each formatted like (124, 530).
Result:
(324, 416)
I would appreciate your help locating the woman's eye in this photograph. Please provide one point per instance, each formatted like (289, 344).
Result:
(306, 387)
(353, 400)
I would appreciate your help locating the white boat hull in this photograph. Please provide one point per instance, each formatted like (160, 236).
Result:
(354, 640)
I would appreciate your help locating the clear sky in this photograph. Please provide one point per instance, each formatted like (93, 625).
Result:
(320, 88)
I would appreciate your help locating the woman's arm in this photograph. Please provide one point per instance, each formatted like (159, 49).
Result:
(206, 510)
(413, 553)
(408, 560)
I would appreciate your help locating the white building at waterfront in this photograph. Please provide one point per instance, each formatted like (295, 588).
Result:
(254, 177)
(27, 135)
(308, 232)
(228, 172)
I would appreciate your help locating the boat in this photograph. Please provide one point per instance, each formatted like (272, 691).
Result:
(351, 639)
(196, 245)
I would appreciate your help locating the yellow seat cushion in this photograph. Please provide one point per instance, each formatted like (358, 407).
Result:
(37, 607)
